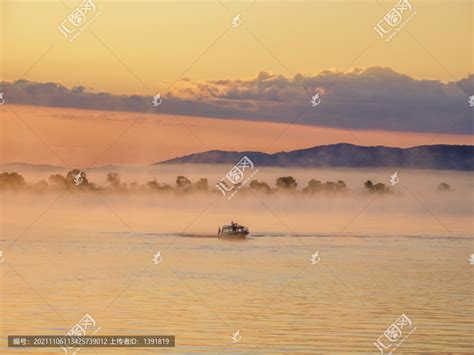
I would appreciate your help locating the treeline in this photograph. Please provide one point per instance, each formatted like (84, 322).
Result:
(77, 180)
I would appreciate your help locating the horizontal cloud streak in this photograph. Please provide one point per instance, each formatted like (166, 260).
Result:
(373, 98)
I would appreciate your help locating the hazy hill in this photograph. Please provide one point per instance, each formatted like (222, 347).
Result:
(26, 167)
(452, 157)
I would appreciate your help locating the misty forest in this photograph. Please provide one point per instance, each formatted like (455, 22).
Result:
(76, 180)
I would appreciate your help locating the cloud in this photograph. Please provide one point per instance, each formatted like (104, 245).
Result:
(372, 98)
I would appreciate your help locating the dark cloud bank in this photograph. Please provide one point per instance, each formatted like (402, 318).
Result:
(373, 98)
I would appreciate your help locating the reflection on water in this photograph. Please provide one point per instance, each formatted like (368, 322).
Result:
(207, 288)
(81, 258)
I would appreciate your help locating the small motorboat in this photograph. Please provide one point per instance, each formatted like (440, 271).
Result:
(232, 230)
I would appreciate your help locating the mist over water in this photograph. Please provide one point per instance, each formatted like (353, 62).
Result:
(382, 255)
(414, 207)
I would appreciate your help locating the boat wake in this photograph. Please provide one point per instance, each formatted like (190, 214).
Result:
(285, 235)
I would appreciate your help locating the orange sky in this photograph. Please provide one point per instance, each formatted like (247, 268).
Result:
(146, 47)
(82, 138)
(141, 47)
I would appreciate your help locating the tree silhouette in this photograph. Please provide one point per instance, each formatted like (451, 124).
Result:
(444, 187)
(313, 186)
(202, 185)
(286, 183)
(329, 186)
(12, 181)
(341, 185)
(183, 184)
(114, 180)
(259, 186)
(157, 186)
(58, 181)
(369, 185)
(75, 178)
(377, 188)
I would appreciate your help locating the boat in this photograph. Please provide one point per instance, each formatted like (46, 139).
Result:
(233, 230)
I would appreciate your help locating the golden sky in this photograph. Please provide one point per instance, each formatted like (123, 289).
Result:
(144, 46)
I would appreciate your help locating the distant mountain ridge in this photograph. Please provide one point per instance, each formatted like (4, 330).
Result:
(442, 157)
(17, 166)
